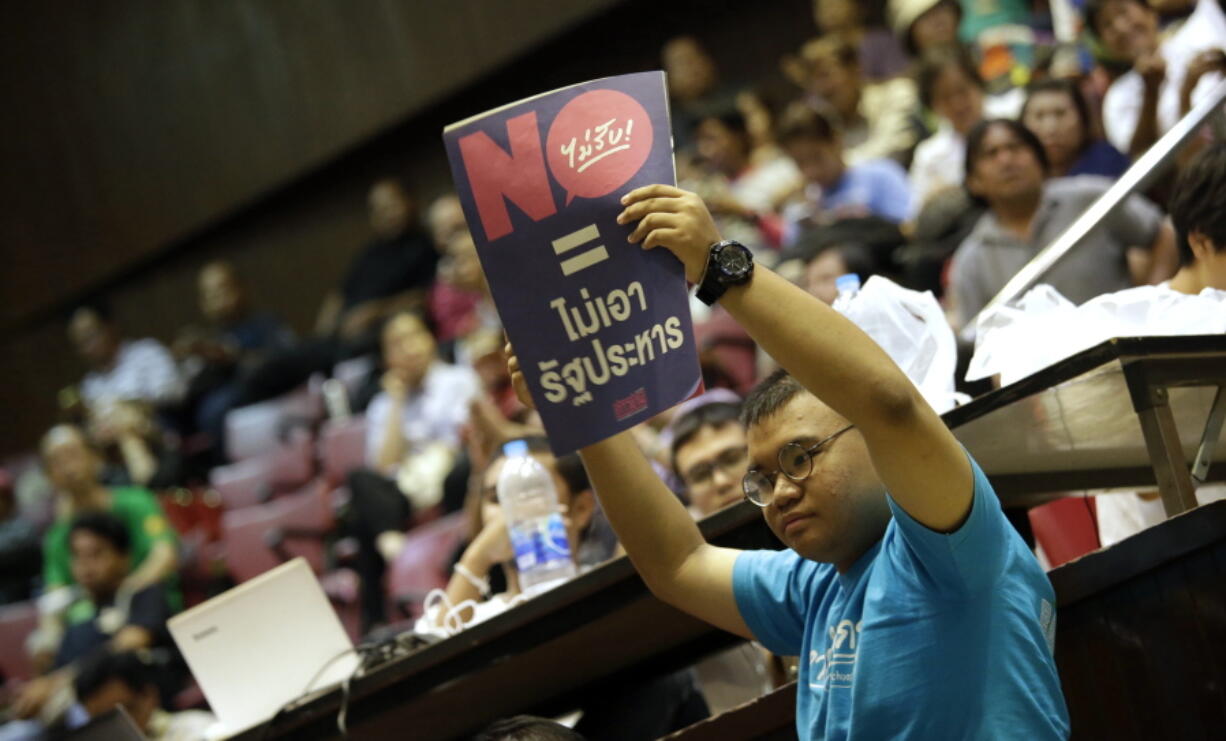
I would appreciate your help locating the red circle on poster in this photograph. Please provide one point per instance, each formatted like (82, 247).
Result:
(597, 142)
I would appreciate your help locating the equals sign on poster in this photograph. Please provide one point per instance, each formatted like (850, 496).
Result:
(586, 259)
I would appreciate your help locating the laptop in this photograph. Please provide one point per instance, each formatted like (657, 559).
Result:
(113, 725)
(263, 644)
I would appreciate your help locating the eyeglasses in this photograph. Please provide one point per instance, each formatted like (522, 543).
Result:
(795, 462)
(731, 461)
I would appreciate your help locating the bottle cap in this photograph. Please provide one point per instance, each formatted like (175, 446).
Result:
(847, 282)
(515, 448)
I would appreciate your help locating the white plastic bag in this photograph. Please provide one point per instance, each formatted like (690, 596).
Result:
(1044, 327)
(911, 327)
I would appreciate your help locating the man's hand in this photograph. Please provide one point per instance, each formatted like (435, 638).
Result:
(1152, 69)
(675, 219)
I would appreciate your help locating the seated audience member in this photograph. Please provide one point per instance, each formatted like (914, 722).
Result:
(391, 274)
(236, 339)
(413, 436)
(1006, 168)
(460, 302)
(874, 118)
(1198, 210)
(445, 218)
(1057, 113)
(924, 25)
(693, 87)
(949, 85)
(135, 450)
(20, 556)
(103, 615)
(880, 55)
(1167, 76)
(74, 467)
(129, 679)
(527, 728)
(833, 261)
(744, 195)
(120, 369)
(835, 189)
(899, 557)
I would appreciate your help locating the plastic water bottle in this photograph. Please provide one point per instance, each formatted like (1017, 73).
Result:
(847, 286)
(534, 519)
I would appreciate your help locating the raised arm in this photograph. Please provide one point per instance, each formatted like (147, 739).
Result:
(657, 532)
(921, 463)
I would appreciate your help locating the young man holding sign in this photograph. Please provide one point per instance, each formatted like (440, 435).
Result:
(916, 610)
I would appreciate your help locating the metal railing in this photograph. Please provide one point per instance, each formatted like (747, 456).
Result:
(1138, 177)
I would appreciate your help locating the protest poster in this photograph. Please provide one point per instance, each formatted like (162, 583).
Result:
(601, 327)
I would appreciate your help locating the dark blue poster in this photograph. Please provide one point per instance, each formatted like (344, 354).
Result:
(601, 327)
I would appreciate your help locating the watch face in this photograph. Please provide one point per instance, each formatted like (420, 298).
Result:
(733, 260)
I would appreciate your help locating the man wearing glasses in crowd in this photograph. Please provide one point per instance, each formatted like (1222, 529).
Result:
(915, 609)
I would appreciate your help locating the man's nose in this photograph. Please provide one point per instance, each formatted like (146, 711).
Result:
(787, 491)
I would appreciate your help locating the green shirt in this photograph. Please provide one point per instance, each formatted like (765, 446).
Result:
(147, 525)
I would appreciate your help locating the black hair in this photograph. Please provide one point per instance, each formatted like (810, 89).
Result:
(715, 414)
(935, 61)
(128, 667)
(569, 466)
(857, 258)
(802, 121)
(1066, 87)
(836, 47)
(769, 396)
(106, 526)
(1093, 8)
(527, 728)
(974, 142)
(728, 115)
(1198, 203)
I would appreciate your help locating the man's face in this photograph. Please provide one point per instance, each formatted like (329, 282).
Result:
(836, 83)
(712, 463)
(115, 692)
(96, 564)
(221, 297)
(723, 149)
(821, 275)
(72, 465)
(821, 162)
(1006, 169)
(408, 348)
(391, 211)
(691, 73)
(831, 516)
(95, 339)
(936, 27)
(1128, 29)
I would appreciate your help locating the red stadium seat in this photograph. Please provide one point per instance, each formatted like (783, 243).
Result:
(259, 478)
(423, 564)
(1066, 528)
(17, 621)
(256, 429)
(342, 448)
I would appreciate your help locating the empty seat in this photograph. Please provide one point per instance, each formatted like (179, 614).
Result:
(425, 561)
(259, 537)
(279, 469)
(258, 428)
(17, 621)
(342, 448)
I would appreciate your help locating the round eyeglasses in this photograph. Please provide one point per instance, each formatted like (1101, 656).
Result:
(795, 462)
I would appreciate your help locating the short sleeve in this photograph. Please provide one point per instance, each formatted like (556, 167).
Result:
(149, 609)
(965, 282)
(150, 518)
(894, 194)
(376, 420)
(773, 591)
(1136, 222)
(969, 559)
(55, 558)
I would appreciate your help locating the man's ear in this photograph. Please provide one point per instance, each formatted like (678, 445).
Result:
(1202, 247)
(582, 507)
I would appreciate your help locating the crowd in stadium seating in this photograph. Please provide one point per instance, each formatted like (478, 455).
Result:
(942, 150)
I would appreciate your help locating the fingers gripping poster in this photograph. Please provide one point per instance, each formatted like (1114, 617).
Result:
(601, 327)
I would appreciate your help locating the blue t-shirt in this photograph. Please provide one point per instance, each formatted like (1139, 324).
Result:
(878, 186)
(927, 636)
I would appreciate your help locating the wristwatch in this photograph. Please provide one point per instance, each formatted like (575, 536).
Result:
(729, 263)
